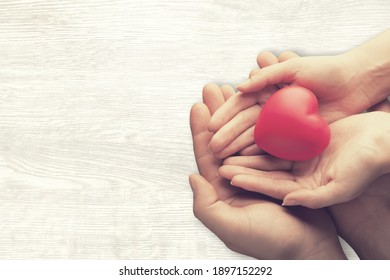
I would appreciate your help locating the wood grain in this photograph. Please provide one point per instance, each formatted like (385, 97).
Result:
(95, 146)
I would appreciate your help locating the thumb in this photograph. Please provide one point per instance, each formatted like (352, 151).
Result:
(281, 73)
(204, 193)
(323, 196)
(215, 214)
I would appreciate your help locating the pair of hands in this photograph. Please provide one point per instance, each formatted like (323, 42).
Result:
(251, 223)
(328, 179)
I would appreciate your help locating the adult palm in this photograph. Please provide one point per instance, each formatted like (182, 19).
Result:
(341, 173)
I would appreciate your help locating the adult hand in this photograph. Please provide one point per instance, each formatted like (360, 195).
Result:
(250, 223)
(344, 84)
(331, 78)
(367, 232)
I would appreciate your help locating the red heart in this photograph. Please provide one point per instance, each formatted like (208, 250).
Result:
(289, 126)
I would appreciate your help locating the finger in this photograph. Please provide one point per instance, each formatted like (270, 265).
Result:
(227, 91)
(266, 58)
(383, 106)
(323, 196)
(230, 171)
(232, 107)
(241, 122)
(213, 97)
(262, 162)
(244, 140)
(252, 150)
(199, 117)
(215, 214)
(276, 188)
(280, 73)
(207, 163)
(286, 55)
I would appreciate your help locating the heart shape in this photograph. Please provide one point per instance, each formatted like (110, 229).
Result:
(289, 126)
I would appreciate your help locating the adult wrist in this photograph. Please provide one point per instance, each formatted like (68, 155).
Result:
(369, 67)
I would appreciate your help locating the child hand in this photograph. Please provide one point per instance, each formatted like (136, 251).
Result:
(237, 133)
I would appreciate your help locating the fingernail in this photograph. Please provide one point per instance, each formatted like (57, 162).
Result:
(244, 84)
(290, 202)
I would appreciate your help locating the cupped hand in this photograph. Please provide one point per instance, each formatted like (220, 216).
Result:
(250, 223)
(353, 160)
(365, 221)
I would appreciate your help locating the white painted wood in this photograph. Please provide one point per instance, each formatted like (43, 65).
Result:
(95, 146)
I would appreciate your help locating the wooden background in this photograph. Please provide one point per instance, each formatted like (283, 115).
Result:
(95, 146)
